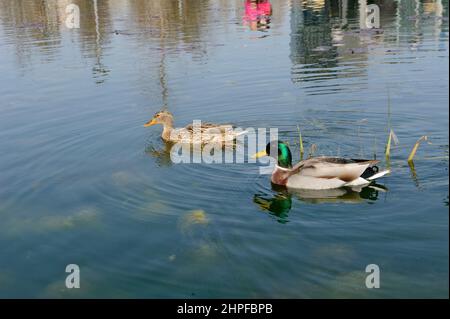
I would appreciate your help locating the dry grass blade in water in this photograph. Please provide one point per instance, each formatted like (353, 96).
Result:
(392, 138)
(301, 142)
(416, 146)
(312, 150)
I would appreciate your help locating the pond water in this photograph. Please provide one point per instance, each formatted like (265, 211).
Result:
(83, 182)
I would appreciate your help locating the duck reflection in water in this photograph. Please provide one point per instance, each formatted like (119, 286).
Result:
(257, 14)
(280, 204)
(161, 153)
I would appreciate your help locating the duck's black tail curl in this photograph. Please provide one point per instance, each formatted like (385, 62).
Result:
(370, 171)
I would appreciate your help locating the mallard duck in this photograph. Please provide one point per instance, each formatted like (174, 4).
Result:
(208, 133)
(319, 172)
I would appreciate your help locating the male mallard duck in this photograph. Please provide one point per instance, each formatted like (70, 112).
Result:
(207, 132)
(319, 172)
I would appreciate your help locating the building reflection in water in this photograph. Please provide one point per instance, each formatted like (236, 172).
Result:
(168, 28)
(327, 42)
(163, 26)
(257, 14)
(174, 25)
(94, 35)
(324, 41)
(32, 26)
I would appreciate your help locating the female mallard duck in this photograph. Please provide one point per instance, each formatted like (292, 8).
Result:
(319, 172)
(204, 133)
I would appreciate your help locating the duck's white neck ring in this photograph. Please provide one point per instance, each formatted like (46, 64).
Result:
(282, 168)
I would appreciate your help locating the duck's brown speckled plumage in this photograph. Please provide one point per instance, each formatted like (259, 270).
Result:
(205, 133)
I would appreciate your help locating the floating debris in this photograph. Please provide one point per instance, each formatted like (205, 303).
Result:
(120, 32)
(357, 50)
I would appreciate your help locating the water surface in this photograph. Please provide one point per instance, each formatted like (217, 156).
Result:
(83, 182)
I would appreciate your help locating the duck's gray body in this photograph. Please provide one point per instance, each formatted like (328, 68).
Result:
(326, 173)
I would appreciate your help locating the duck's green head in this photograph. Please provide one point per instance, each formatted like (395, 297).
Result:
(279, 151)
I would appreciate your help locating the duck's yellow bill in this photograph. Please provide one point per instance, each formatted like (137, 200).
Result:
(150, 123)
(260, 154)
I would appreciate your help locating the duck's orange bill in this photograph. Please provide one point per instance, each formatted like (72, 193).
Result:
(150, 123)
(260, 154)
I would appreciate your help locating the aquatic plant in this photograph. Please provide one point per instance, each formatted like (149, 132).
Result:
(415, 147)
(300, 139)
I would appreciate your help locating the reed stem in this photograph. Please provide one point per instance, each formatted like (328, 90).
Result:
(300, 138)
(416, 147)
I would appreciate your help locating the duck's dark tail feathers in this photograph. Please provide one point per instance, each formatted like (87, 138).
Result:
(372, 173)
